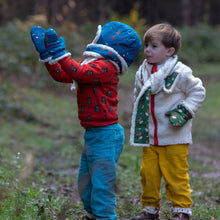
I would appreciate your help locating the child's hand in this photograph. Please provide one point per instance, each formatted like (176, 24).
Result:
(179, 116)
(55, 46)
(38, 36)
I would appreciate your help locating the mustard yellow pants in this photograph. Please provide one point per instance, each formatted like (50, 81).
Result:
(169, 162)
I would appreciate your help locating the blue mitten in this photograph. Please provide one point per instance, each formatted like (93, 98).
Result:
(179, 116)
(55, 46)
(38, 36)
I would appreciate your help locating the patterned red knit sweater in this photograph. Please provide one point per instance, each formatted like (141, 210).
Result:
(97, 93)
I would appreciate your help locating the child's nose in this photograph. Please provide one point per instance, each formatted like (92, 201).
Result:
(146, 49)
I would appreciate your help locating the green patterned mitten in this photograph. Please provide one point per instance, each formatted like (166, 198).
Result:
(179, 116)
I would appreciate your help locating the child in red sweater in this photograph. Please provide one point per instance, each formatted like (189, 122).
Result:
(114, 48)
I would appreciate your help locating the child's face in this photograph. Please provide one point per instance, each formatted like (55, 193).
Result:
(156, 53)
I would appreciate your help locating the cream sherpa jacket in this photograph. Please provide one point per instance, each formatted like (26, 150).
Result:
(172, 84)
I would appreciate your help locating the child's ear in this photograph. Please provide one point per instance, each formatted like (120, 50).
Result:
(170, 51)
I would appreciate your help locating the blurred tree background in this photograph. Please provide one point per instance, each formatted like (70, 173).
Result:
(197, 20)
(179, 13)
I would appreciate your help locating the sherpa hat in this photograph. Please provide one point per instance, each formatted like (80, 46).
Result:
(115, 41)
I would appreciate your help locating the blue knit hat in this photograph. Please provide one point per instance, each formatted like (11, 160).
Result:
(115, 41)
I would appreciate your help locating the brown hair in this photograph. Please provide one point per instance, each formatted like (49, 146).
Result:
(168, 35)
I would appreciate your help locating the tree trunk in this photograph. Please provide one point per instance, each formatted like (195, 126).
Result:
(186, 12)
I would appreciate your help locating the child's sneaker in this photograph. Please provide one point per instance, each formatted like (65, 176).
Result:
(180, 216)
(146, 216)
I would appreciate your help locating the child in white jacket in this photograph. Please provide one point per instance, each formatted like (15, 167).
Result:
(167, 97)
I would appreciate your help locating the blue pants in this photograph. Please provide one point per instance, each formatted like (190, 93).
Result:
(97, 171)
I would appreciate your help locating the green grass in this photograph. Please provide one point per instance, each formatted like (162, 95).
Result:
(39, 158)
(206, 69)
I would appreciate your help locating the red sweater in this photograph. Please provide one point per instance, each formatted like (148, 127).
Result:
(97, 93)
